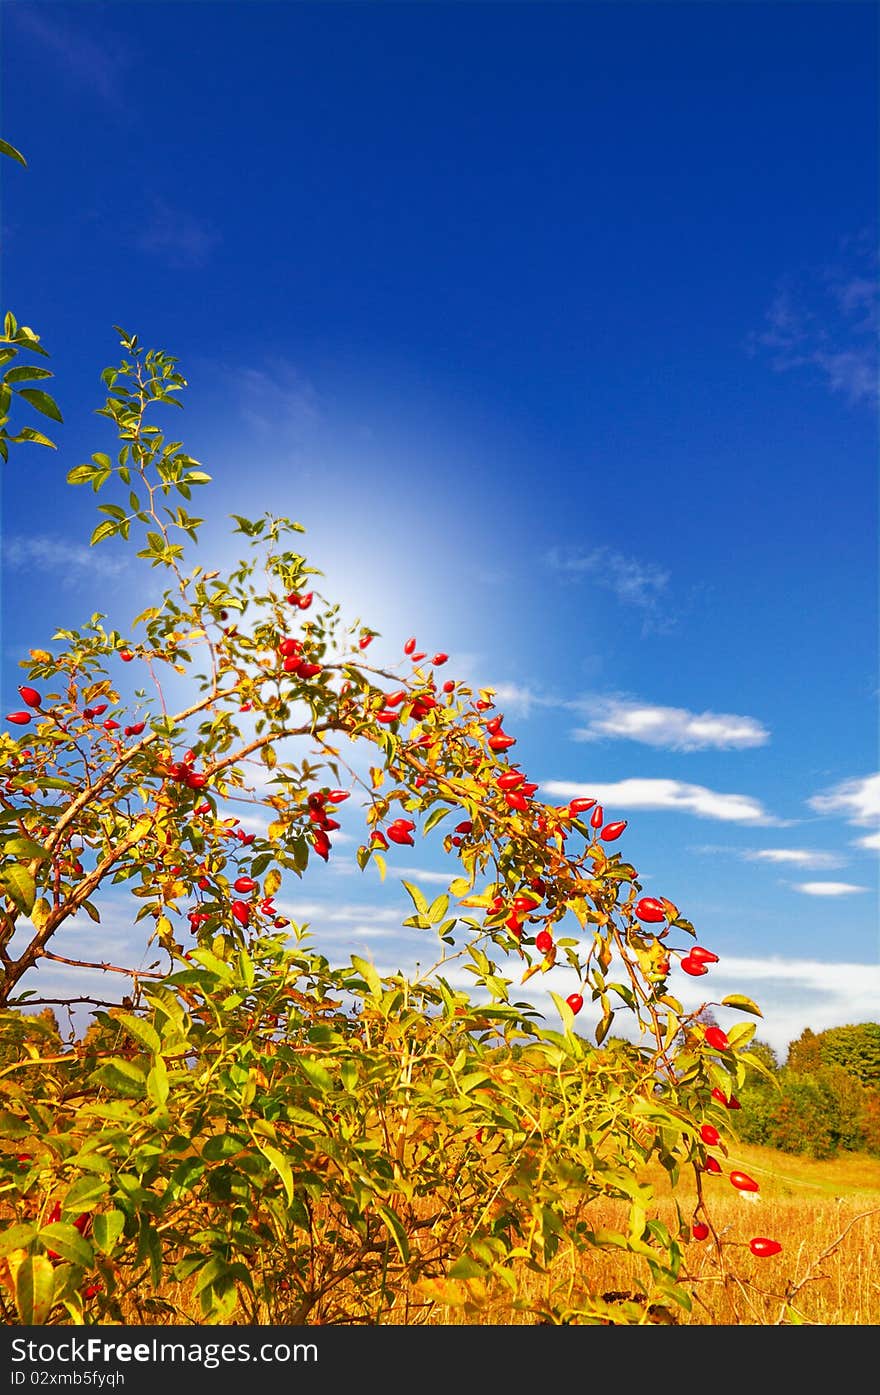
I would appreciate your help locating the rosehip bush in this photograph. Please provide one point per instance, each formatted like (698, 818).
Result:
(250, 1131)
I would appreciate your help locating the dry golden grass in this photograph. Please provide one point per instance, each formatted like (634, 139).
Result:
(826, 1215)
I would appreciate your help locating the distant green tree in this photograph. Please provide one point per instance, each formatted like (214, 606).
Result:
(856, 1049)
(816, 1113)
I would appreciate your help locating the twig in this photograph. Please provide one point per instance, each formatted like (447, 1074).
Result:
(792, 1290)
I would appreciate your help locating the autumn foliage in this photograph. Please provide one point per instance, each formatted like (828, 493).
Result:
(253, 1131)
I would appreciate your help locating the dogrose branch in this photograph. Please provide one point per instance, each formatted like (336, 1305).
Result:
(14, 969)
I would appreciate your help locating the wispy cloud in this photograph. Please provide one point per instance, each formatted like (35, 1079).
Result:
(74, 562)
(674, 728)
(277, 398)
(857, 798)
(518, 700)
(825, 319)
(799, 857)
(180, 238)
(98, 63)
(415, 875)
(668, 794)
(872, 841)
(807, 858)
(633, 581)
(828, 888)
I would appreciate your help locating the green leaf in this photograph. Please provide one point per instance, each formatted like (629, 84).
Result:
(281, 1165)
(66, 1240)
(27, 372)
(42, 402)
(20, 887)
(25, 847)
(28, 433)
(140, 1030)
(398, 1233)
(107, 1226)
(34, 1290)
(157, 1082)
(85, 1193)
(16, 1237)
(744, 1004)
(419, 901)
(12, 1126)
(107, 529)
(10, 150)
(317, 1074)
(122, 1078)
(369, 973)
(434, 818)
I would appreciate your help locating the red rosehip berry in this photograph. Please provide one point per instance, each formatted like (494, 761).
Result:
(544, 942)
(575, 1002)
(400, 831)
(693, 967)
(30, 696)
(613, 830)
(700, 1231)
(699, 955)
(732, 1103)
(743, 1182)
(716, 1038)
(710, 1135)
(511, 781)
(499, 742)
(650, 909)
(764, 1248)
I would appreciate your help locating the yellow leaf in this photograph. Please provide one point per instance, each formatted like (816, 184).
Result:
(275, 831)
(40, 913)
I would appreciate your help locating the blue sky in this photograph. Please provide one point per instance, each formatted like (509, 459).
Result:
(556, 326)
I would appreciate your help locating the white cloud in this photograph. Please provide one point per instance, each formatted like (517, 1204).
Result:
(800, 857)
(668, 794)
(73, 561)
(675, 728)
(792, 994)
(828, 888)
(871, 841)
(858, 799)
(420, 874)
(519, 701)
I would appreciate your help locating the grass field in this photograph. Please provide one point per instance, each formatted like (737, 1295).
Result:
(826, 1216)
